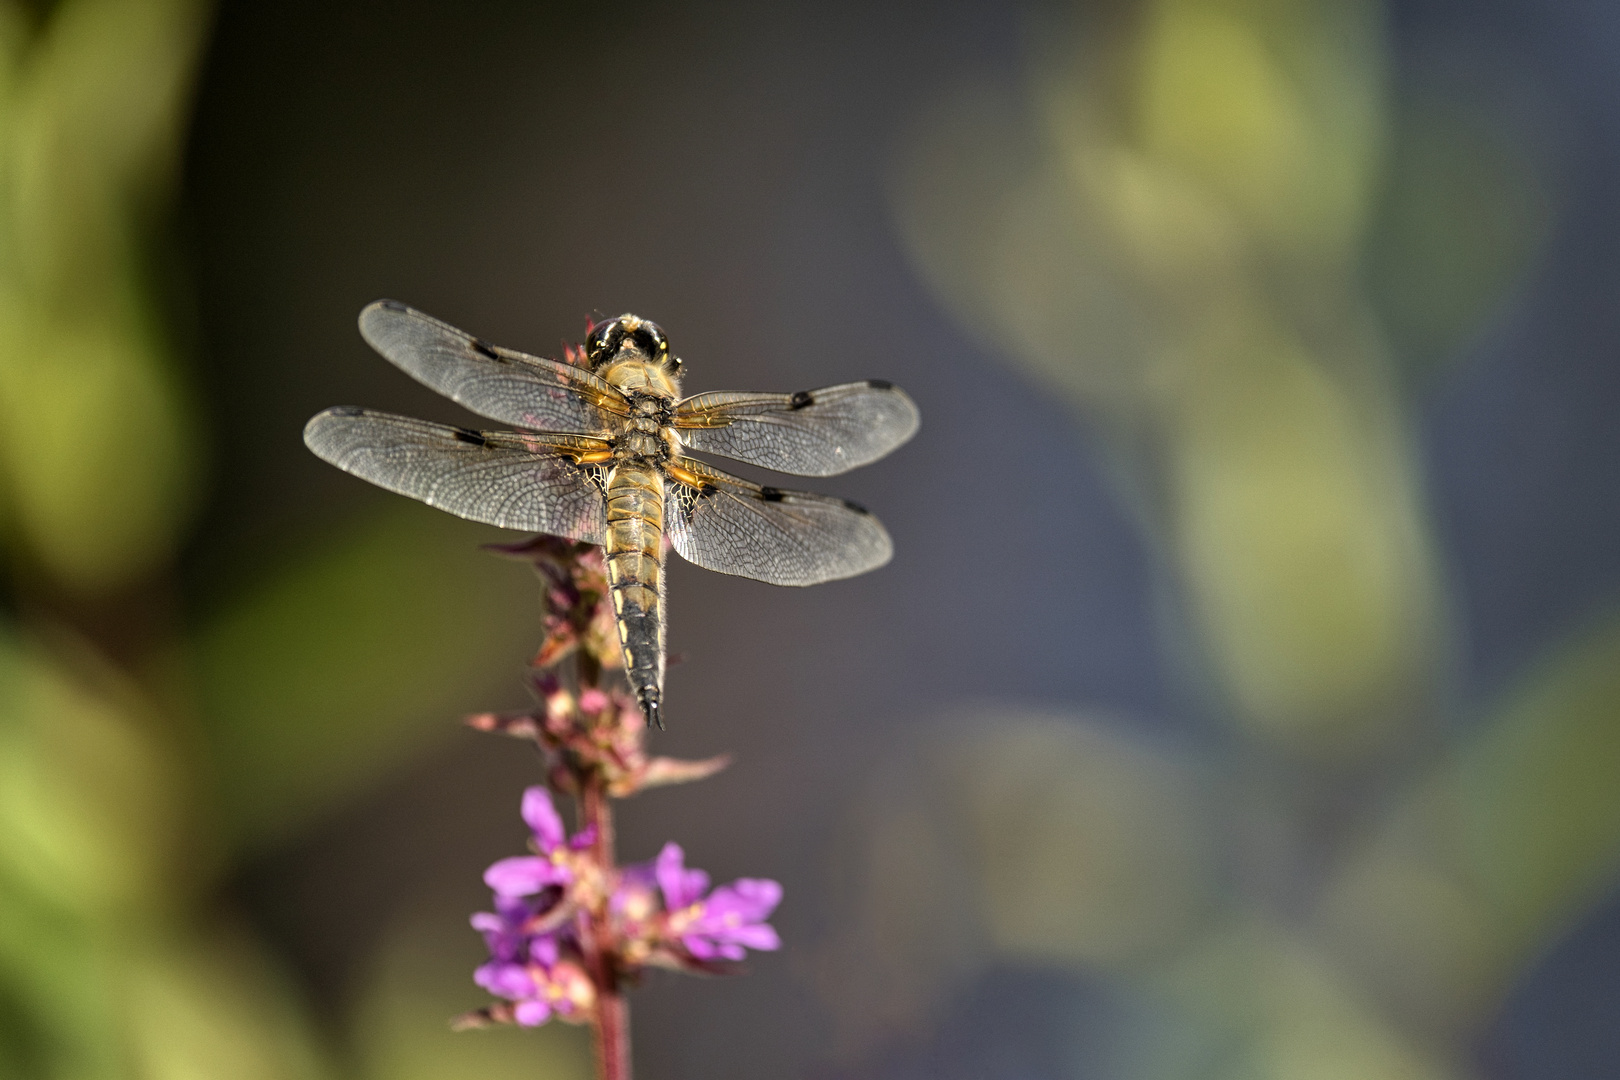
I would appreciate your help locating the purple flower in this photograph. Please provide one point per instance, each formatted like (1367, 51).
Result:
(539, 992)
(731, 919)
(514, 952)
(525, 875)
(526, 967)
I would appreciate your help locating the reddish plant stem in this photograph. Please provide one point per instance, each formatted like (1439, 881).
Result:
(612, 1024)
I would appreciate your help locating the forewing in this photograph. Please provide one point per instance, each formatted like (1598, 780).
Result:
(511, 479)
(782, 537)
(502, 384)
(810, 433)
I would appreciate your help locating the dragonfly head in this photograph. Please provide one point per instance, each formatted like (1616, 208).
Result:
(629, 338)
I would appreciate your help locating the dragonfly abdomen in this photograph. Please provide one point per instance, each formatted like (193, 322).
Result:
(635, 553)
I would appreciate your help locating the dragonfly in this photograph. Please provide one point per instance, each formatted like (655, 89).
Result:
(603, 458)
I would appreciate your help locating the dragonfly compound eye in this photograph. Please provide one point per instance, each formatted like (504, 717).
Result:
(603, 340)
(645, 340)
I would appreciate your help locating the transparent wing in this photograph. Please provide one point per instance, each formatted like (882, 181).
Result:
(811, 433)
(783, 537)
(504, 385)
(511, 479)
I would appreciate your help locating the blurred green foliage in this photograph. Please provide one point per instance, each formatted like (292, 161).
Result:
(327, 672)
(132, 775)
(93, 110)
(417, 978)
(1208, 227)
(1174, 246)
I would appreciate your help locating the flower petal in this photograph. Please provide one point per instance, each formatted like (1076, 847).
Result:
(531, 1013)
(749, 899)
(514, 910)
(505, 980)
(543, 949)
(681, 887)
(542, 817)
(523, 875)
(669, 868)
(761, 936)
(504, 943)
(700, 947)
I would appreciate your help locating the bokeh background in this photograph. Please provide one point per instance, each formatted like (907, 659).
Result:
(1243, 700)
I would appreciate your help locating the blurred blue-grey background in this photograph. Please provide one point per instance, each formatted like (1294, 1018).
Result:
(1243, 699)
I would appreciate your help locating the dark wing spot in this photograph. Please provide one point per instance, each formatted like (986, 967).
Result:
(468, 436)
(802, 399)
(346, 410)
(880, 384)
(394, 305)
(857, 507)
(770, 494)
(481, 346)
(707, 489)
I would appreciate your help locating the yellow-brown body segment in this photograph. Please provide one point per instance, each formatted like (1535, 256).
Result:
(634, 541)
(634, 549)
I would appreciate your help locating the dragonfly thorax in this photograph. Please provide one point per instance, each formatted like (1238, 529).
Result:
(641, 445)
(650, 387)
(652, 408)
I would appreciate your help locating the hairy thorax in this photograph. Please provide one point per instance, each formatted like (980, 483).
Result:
(645, 433)
(635, 377)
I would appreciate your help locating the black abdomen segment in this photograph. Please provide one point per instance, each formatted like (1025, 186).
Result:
(634, 551)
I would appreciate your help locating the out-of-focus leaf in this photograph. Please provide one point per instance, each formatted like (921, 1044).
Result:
(210, 1008)
(996, 229)
(421, 977)
(1497, 852)
(89, 826)
(96, 451)
(1536, 796)
(14, 34)
(1084, 841)
(1293, 511)
(1411, 930)
(1277, 110)
(1288, 1014)
(1165, 233)
(106, 971)
(89, 812)
(102, 969)
(58, 1015)
(95, 147)
(1463, 212)
(323, 676)
(1014, 838)
(96, 448)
